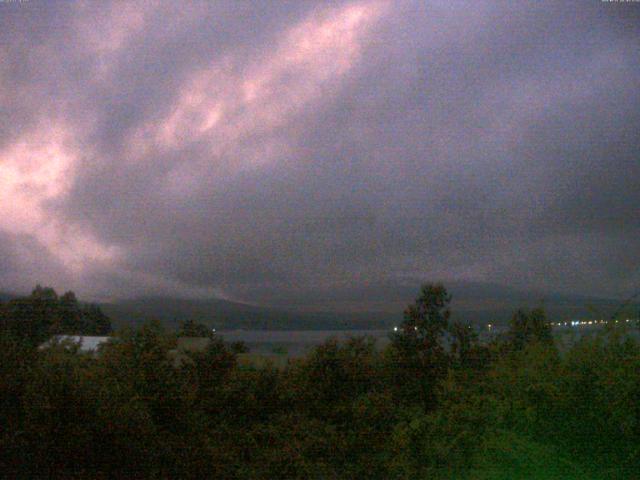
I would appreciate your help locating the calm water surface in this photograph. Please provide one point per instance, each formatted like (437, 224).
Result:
(300, 342)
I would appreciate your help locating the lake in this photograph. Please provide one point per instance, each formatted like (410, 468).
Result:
(295, 343)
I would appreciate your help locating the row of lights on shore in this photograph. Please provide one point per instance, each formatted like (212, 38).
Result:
(395, 329)
(573, 323)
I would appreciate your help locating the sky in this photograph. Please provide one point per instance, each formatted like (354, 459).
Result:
(241, 149)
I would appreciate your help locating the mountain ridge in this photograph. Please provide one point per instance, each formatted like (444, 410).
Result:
(372, 306)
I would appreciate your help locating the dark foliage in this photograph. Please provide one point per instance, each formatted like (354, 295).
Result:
(437, 403)
(42, 314)
(191, 328)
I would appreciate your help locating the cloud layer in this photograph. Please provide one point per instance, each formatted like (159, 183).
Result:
(227, 149)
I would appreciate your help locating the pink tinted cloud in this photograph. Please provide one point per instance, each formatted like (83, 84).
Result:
(102, 31)
(225, 104)
(222, 105)
(37, 169)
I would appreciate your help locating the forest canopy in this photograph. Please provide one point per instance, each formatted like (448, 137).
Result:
(436, 403)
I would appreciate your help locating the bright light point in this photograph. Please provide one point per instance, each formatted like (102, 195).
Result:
(395, 329)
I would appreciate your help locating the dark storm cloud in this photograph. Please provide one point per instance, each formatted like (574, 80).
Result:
(24, 262)
(223, 148)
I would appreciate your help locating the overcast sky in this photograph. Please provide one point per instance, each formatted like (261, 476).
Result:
(229, 148)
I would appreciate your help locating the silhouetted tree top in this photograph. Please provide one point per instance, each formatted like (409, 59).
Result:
(527, 327)
(43, 313)
(427, 319)
(191, 328)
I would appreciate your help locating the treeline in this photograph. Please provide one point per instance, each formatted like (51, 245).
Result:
(37, 317)
(435, 404)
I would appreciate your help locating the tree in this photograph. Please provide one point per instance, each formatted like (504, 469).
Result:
(94, 321)
(417, 352)
(527, 327)
(32, 318)
(17, 359)
(43, 314)
(70, 317)
(425, 322)
(44, 294)
(466, 350)
(191, 328)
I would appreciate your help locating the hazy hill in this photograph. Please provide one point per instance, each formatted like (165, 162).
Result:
(223, 314)
(372, 306)
(5, 297)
